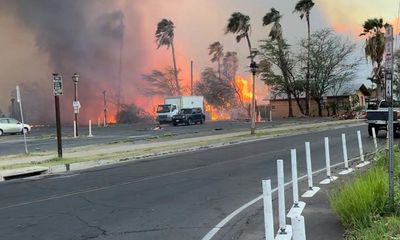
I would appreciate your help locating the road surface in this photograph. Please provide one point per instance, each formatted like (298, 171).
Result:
(177, 197)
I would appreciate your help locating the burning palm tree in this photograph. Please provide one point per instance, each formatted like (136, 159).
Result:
(165, 37)
(239, 24)
(304, 7)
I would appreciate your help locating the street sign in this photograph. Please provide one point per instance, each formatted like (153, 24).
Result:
(76, 105)
(57, 85)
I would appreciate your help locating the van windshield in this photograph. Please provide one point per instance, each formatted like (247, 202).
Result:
(164, 108)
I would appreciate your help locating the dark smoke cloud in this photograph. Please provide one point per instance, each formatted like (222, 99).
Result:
(83, 37)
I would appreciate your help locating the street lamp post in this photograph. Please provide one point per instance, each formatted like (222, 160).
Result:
(75, 79)
(253, 69)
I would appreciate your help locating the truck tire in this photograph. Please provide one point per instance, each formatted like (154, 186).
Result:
(175, 124)
(370, 126)
(189, 122)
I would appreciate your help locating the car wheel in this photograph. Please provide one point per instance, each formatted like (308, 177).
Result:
(175, 124)
(189, 121)
(1, 132)
(201, 121)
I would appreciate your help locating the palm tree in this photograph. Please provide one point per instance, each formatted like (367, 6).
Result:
(217, 50)
(375, 48)
(239, 24)
(304, 7)
(273, 17)
(165, 37)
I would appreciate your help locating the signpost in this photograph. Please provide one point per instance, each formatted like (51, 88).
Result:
(57, 90)
(389, 99)
(22, 118)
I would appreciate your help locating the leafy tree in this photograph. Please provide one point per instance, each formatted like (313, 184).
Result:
(217, 51)
(217, 92)
(161, 83)
(330, 62)
(131, 114)
(165, 37)
(303, 7)
(239, 24)
(276, 52)
(374, 49)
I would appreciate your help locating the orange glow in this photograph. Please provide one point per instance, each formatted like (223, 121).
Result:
(244, 88)
(112, 119)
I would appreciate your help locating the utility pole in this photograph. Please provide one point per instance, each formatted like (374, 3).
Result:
(191, 78)
(253, 68)
(105, 108)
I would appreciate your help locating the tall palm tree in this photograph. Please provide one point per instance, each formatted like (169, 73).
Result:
(239, 24)
(217, 50)
(304, 7)
(273, 17)
(375, 48)
(165, 37)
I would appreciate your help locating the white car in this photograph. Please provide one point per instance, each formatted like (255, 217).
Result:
(12, 126)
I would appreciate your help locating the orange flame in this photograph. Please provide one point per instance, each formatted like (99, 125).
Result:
(244, 88)
(112, 119)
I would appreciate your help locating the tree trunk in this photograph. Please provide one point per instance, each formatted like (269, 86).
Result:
(299, 104)
(290, 104)
(178, 87)
(308, 66)
(319, 107)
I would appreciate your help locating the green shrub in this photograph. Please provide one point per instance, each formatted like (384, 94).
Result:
(362, 201)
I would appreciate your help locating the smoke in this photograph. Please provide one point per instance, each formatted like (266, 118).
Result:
(77, 36)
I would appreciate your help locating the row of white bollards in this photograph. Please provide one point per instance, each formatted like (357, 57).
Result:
(90, 129)
(296, 231)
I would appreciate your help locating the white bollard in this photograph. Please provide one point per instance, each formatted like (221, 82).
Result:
(268, 211)
(311, 189)
(374, 137)
(285, 231)
(104, 122)
(74, 129)
(360, 147)
(347, 170)
(298, 228)
(297, 207)
(98, 122)
(329, 178)
(90, 129)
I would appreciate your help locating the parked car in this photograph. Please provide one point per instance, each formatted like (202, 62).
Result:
(189, 116)
(12, 126)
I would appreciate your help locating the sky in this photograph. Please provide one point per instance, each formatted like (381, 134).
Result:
(85, 36)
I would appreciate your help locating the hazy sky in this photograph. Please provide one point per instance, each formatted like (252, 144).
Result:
(26, 30)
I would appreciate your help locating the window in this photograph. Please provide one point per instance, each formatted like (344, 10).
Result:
(3, 121)
(173, 108)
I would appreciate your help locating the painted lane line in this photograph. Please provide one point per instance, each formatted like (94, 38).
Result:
(228, 218)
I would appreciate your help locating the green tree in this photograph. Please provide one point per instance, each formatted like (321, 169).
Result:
(331, 63)
(303, 7)
(165, 37)
(374, 49)
(276, 52)
(217, 51)
(239, 24)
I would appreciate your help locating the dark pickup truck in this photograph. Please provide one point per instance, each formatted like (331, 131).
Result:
(189, 116)
(378, 119)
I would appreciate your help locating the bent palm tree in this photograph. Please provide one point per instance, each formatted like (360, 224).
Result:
(375, 48)
(239, 24)
(304, 7)
(165, 37)
(217, 50)
(273, 17)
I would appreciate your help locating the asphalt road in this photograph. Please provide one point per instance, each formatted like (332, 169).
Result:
(43, 138)
(176, 197)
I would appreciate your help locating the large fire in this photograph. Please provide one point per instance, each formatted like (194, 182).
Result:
(244, 88)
